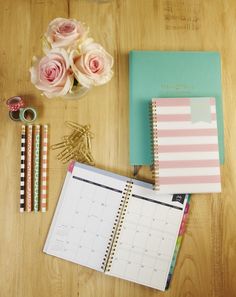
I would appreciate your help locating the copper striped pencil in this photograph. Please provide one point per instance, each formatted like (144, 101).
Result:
(22, 170)
(29, 144)
(36, 166)
(43, 176)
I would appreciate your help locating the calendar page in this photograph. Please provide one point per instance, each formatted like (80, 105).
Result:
(148, 235)
(85, 216)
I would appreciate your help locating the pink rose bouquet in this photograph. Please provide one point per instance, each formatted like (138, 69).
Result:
(73, 62)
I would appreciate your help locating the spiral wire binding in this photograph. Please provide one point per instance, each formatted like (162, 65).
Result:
(154, 146)
(112, 243)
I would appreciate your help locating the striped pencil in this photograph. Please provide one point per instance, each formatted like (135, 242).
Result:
(29, 144)
(43, 177)
(36, 166)
(22, 170)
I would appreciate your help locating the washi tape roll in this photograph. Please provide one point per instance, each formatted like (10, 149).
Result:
(14, 115)
(15, 103)
(28, 115)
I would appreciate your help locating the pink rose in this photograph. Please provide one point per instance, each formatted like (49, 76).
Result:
(52, 73)
(65, 32)
(92, 64)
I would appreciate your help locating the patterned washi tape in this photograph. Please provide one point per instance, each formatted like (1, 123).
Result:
(29, 144)
(36, 166)
(15, 103)
(14, 115)
(28, 115)
(22, 171)
(44, 160)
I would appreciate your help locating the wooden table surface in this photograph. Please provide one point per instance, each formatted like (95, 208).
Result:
(206, 264)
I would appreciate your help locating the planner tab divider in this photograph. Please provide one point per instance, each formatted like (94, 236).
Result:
(108, 257)
(178, 241)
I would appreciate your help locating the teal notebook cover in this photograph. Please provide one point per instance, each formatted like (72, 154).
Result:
(169, 74)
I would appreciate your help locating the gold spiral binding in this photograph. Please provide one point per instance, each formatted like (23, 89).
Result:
(112, 243)
(154, 147)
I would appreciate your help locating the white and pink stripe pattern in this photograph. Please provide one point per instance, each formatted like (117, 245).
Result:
(44, 166)
(186, 156)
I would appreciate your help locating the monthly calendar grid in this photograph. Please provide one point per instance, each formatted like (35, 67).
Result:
(92, 246)
(151, 269)
(92, 204)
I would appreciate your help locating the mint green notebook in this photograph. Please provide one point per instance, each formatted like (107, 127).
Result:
(155, 74)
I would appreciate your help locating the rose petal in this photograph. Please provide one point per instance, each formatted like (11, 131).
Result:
(91, 66)
(60, 92)
(52, 73)
(65, 33)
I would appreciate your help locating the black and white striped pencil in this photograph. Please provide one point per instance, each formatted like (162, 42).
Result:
(22, 170)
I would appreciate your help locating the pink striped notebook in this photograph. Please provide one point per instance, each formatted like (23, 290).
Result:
(185, 145)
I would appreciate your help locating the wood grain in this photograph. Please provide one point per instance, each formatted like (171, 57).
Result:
(207, 262)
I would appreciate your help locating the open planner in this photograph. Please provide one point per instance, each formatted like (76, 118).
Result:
(118, 226)
(185, 145)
